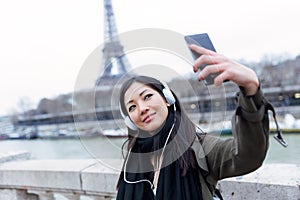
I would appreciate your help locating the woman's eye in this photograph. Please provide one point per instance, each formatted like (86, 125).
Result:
(148, 96)
(131, 108)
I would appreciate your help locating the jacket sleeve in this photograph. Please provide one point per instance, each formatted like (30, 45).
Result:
(246, 151)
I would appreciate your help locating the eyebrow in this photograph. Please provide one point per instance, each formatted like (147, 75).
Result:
(130, 101)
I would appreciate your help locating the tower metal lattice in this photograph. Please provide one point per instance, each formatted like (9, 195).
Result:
(114, 62)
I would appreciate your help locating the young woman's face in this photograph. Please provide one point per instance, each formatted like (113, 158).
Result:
(146, 107)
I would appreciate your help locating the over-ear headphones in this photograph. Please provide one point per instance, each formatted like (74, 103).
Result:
(168, 96)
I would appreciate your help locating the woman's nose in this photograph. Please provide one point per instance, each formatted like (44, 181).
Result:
(144, 108)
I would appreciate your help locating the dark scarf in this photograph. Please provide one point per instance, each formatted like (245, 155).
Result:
(172, 185)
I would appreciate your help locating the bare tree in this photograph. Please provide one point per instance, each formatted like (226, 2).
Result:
(25, 107)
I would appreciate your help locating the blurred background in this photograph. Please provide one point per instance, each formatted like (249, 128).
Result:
(45, 45)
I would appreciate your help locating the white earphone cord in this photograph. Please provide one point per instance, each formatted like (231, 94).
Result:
(163, 150)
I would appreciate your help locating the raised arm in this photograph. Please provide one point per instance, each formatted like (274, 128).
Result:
(227, 69)
(246, 151)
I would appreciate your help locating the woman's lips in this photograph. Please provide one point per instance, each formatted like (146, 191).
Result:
(148, 118)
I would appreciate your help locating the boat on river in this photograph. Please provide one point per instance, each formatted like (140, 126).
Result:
(115, 133)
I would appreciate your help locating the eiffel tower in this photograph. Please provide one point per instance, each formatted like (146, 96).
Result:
(114, 62)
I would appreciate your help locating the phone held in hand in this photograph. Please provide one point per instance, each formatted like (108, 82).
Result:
(202, 40)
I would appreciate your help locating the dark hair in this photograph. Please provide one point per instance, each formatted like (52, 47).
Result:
(186, 129)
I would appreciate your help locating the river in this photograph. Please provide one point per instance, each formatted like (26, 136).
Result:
(111, 148)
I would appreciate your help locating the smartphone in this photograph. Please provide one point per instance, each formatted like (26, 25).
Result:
(202, 40)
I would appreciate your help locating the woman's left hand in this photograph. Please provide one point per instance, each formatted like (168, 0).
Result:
(227, 69)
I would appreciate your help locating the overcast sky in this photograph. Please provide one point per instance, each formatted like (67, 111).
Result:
(44, 43)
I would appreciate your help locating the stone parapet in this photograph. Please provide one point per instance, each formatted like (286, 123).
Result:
(68, 178)
(87, 179)
(271, 181)
(14, 155)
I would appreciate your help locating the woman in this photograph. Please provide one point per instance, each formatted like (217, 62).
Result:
(169, 157)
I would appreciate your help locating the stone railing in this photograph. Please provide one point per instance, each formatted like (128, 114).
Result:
(58, 179)
(271, 181)
(88, 179)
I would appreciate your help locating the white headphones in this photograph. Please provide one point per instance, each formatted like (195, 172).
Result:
(168, 96)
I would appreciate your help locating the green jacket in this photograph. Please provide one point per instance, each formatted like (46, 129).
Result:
(244, 153)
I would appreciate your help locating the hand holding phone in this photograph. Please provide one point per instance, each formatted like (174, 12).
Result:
(202, 40)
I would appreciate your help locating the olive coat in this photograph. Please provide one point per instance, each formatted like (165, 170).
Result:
(245, 152)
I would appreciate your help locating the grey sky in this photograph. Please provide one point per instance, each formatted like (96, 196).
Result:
(44, 43)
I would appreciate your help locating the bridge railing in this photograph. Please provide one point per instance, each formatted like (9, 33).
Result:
(92, 179)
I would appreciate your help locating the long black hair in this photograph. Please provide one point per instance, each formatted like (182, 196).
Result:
(185, 129)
